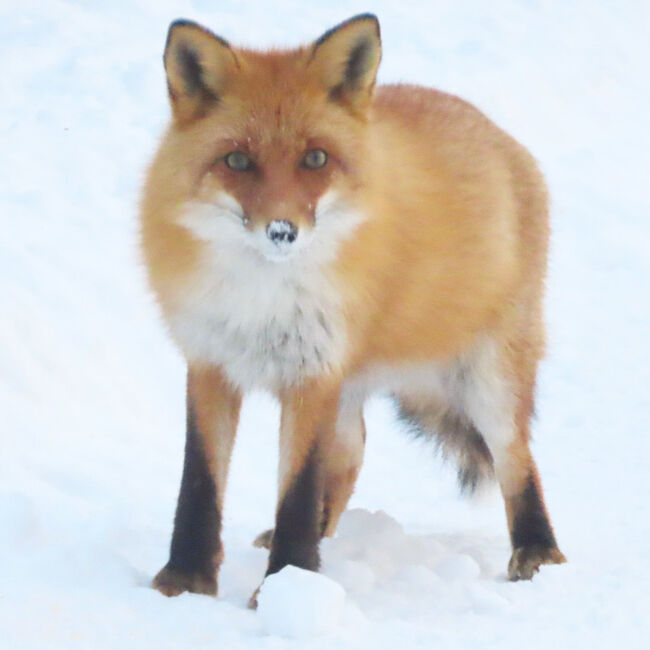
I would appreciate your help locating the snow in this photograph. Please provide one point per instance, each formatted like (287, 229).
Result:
(91, 389)
(300, 604)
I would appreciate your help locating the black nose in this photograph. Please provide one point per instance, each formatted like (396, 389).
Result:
(281, 231)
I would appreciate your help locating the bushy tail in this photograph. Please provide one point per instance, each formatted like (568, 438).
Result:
(456, 437)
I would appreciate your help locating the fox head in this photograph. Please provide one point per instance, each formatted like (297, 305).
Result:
(268, 147)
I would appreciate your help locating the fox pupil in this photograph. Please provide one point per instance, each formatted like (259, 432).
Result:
(315, 159)
(238, 161)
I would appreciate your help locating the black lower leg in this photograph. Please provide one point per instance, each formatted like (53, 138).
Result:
(196, 545)
(530, 523)
(533, 541)
(298, 521)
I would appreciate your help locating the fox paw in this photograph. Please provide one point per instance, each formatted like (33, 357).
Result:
(252, 601)
(526, 560)
(263, 540)
(173, 582)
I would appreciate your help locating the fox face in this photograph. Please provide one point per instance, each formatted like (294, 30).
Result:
(260, 138)
(275, 189)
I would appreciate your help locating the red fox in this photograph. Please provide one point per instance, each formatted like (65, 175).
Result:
(309, 234)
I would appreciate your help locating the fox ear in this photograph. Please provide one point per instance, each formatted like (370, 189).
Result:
(346, 58)
(198, 65)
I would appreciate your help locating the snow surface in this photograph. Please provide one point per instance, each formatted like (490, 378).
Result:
(91, 390)
(298, 604)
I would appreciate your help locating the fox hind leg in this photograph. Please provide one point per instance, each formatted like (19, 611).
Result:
(531, 534)
(342, 459)
(497, 394)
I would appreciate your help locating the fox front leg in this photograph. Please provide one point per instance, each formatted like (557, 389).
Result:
(196, 550)
(307, 428)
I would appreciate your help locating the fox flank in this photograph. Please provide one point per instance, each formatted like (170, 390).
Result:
(311, 234)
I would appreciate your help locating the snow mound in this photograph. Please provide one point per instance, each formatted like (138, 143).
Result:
(459, 567)
(299, 604)
(372, 548)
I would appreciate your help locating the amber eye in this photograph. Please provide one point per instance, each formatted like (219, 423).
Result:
(238, 161)
(314, 159)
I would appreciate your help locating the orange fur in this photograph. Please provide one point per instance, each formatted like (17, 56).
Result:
(450, 249)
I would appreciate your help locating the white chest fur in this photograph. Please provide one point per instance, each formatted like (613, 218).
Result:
(266, 324)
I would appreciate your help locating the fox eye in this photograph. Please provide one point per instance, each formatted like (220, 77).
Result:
(314, 159)
(238, 161)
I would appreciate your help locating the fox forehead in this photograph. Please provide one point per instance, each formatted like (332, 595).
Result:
(274, 74)
(278, 120)
(270, 67)
(274, 98)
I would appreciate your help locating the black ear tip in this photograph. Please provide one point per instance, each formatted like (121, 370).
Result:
(183, 22)
(368, 17)
(180, 22)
